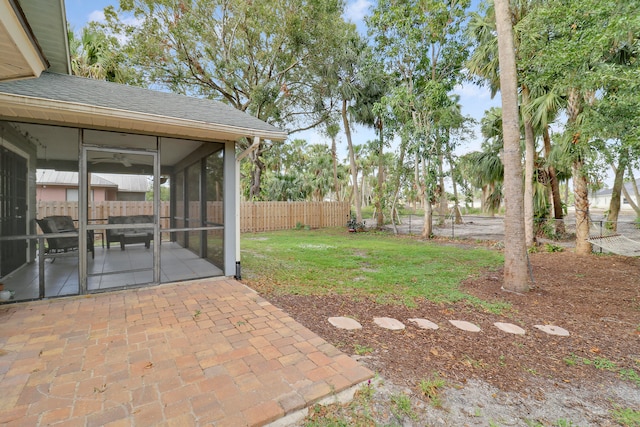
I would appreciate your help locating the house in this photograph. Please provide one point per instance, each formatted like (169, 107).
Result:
(52, 185)
(601, 199)
(52, 120)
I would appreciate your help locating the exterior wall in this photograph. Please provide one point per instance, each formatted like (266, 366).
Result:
(604, 201)
(99, 194)
(57, 193)
(51, 193)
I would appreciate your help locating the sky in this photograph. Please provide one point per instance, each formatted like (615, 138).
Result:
(473, 99)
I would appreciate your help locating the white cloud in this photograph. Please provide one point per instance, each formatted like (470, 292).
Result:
(357, 10)
(97, 16)
(471, 90)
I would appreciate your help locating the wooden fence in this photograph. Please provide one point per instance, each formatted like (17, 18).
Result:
(254, 216)
(269, 216)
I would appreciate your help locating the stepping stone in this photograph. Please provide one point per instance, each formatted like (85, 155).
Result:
(389, 323)
(424, 323)
(345, 323)
(553, 330)
(509, 328)
(464, 325)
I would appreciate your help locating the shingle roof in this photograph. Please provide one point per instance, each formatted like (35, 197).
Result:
(607, 191)
(99, 93)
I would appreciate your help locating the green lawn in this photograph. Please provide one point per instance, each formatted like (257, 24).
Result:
(392, 269)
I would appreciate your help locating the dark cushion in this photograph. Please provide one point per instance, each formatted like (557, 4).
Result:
(131, 219)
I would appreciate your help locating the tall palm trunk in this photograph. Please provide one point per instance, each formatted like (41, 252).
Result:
(334, 160)
(580, 187)
(515, 251)
(529, 140)
(555, 186)
(581, 194)
(352, 162)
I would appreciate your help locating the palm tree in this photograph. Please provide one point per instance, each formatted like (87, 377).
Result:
(96, 55)
(515, 263)
(484, 64)
(347, 74)
(332, 129)
(543, 109)
(318, 176)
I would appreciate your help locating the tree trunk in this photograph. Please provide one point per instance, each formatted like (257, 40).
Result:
(396, 185)
(256, 174)
(581, 194)
(427, 228)
(443, 205)
(558, 214)
(352, 162)
(515, 250)
(618, 182)
(580, 187)
(334, 159)
(633, 205)
(379, 192)
(458, 215)
(483, 199)
(529, 140)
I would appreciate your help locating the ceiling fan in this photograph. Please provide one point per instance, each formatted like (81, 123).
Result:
(116, 157)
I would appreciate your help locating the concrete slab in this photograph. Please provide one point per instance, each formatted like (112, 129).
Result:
(553, 330)
(509, 328)
(424, 324)
(345, 323)
(389, 323)
(465, 326)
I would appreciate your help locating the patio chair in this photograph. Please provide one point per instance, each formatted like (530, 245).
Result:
(62, 224)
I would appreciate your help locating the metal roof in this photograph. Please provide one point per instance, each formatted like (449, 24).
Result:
(123, 182)
(63, 178)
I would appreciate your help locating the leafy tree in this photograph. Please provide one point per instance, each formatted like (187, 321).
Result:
(258, 56)
(420, 44)
(345, 76)
(572, 46)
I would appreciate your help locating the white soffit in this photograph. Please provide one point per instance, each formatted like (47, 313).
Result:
(20, 55)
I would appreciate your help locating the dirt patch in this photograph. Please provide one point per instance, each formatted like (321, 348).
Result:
(499, 377)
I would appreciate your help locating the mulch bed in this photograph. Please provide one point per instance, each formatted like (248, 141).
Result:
(596, 298)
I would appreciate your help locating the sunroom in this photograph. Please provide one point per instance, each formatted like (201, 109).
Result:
(184, 147)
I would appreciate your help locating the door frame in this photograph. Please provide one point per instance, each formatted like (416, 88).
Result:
(83, 204)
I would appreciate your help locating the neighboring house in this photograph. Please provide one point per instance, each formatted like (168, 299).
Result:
(601, 199)
(50, 119)
(52, 185)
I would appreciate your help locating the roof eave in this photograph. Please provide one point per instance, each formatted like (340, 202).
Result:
(16, 26)
(46, 111)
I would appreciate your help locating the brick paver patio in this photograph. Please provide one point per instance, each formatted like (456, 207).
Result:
(206, 352)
